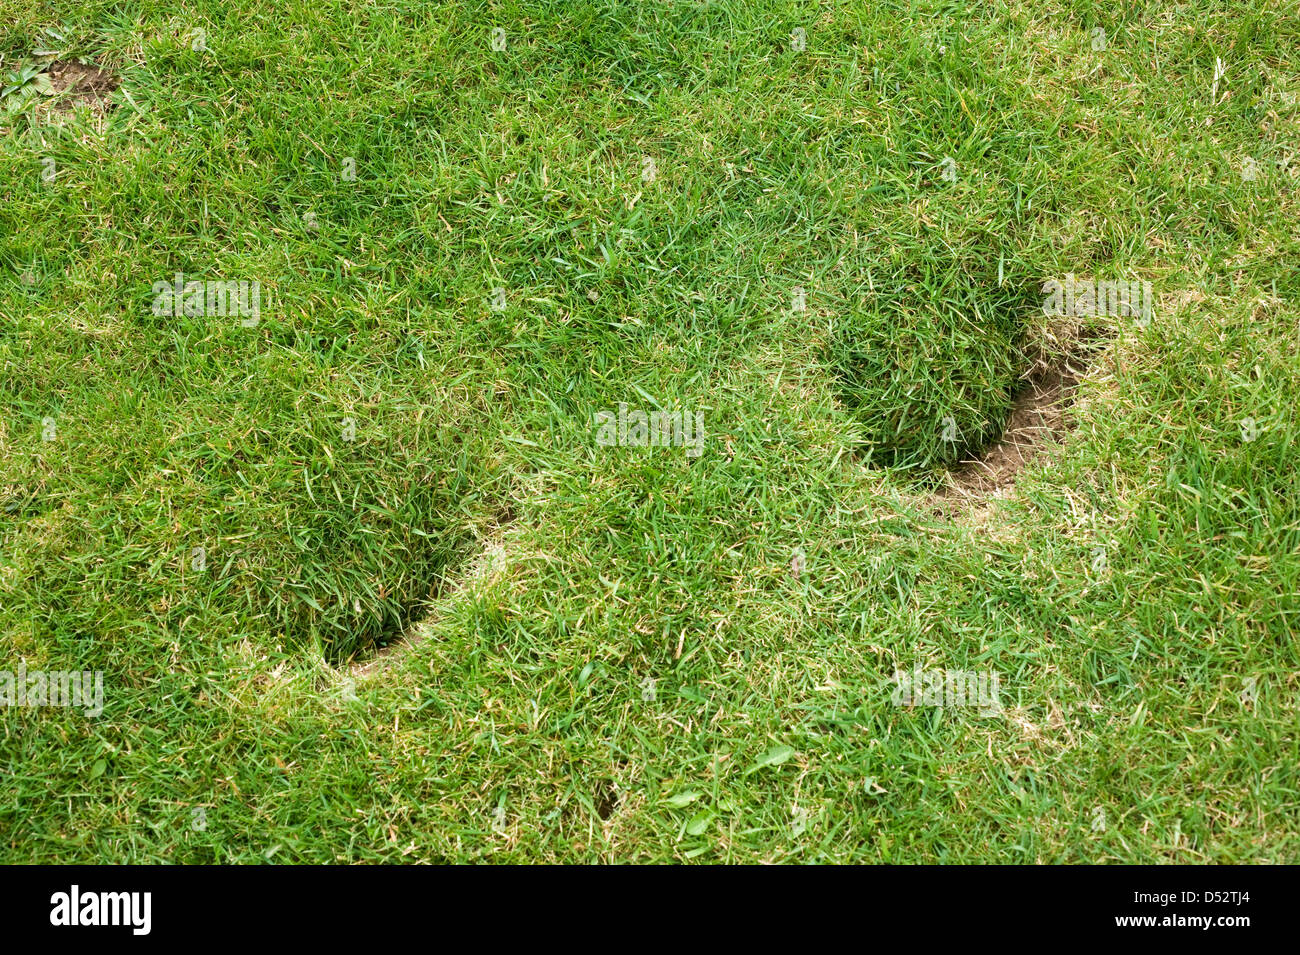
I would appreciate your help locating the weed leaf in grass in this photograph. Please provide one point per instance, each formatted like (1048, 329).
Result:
(773, 757)
(699, 822)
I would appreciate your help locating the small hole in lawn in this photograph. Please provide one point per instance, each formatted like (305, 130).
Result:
(604, 798)
(1037, 420)
(485, 564)
(395, 636)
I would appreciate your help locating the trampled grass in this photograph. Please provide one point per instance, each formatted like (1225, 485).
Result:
(825, 229)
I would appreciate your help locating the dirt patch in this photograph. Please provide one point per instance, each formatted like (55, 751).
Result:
(1039, 419)
(82, 83)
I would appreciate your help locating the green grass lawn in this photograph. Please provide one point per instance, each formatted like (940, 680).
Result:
(362, 582)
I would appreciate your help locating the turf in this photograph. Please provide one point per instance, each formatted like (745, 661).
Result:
(823, 226)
